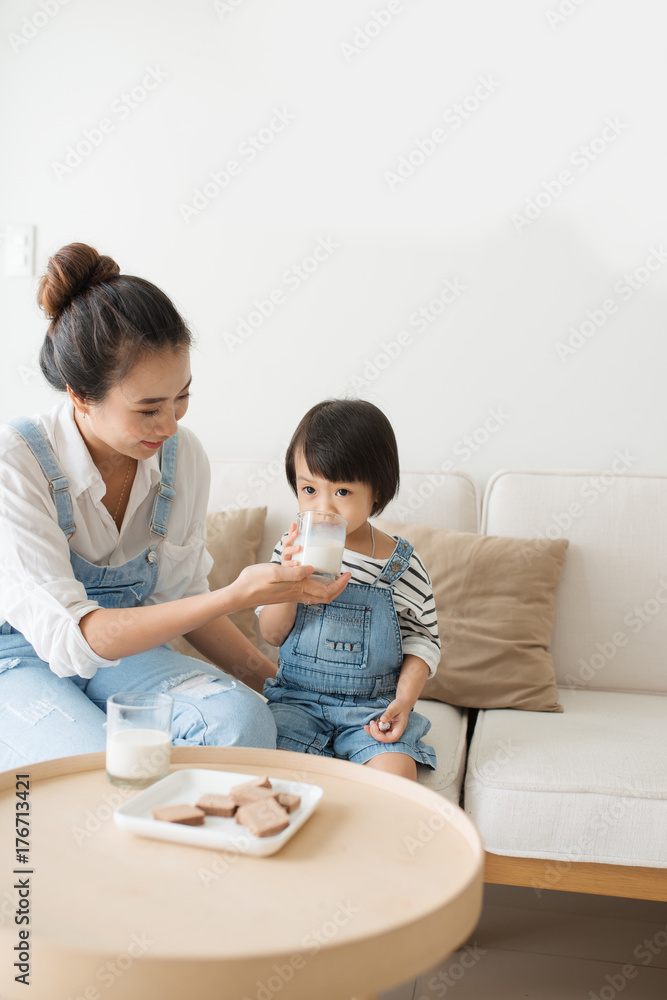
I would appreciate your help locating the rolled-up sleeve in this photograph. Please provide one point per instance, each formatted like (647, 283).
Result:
(39, 595)
(418, 620)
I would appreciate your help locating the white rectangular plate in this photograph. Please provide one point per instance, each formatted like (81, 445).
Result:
(186, 786)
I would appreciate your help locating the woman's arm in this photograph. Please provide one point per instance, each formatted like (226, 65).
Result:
(115, 633)
(277, 621)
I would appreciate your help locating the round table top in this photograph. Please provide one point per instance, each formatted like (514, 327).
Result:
(382, 881)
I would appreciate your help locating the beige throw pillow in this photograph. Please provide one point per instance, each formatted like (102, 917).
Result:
(495, 600)
(232, 538)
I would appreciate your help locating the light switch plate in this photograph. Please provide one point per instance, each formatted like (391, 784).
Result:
(20, 251)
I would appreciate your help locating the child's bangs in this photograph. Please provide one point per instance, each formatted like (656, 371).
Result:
(337, 466)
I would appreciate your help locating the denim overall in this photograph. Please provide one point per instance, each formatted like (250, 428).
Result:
(339, 668)
(33, 696)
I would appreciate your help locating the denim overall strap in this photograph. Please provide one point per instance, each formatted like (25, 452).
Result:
(36, 440)
(397, 563)
(164, 496)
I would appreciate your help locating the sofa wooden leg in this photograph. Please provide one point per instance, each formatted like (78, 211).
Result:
(577, 876)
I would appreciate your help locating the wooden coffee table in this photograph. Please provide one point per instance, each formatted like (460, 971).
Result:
(382, 882)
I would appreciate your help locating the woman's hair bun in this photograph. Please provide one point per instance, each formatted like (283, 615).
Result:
(70, 271)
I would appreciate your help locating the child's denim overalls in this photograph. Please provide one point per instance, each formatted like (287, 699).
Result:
(339, 667)
(36, 705)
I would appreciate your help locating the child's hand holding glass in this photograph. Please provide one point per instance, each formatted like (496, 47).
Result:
(290, 547)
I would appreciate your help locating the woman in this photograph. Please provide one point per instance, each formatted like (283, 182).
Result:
(102, 528)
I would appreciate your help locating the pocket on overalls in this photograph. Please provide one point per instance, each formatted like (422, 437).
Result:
(115, 597)
(334, 634)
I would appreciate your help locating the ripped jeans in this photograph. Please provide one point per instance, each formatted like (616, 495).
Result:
(44, 716)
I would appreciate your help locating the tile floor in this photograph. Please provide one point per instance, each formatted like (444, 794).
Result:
(561, 946)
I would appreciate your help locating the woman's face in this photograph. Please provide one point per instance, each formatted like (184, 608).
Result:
(140, 412)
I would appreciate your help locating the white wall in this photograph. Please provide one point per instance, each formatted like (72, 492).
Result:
(551, 86)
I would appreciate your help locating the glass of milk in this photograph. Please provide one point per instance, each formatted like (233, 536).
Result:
(321, 536)
(138, 737)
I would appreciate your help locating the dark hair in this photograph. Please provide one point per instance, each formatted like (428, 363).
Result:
(347, 440)
(101, 322)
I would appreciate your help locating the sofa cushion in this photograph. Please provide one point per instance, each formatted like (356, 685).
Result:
(447, 736)
(232, 539)
(587, 785)
(610, 628)
(495, 600)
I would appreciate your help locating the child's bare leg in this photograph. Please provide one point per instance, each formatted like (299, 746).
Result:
(401, 764)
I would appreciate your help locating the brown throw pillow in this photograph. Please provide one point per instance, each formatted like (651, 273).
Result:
(495, 599)
(232, 538)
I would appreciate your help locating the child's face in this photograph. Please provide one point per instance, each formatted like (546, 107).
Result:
(353, 501)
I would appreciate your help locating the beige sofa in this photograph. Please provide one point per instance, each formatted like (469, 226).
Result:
(574, 800)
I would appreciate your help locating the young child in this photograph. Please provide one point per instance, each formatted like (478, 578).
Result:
(363, 658)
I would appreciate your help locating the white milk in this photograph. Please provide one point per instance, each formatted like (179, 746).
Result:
(326, 559)
(138, 753)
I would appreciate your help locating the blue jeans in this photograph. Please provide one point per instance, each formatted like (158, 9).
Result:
(44, 716)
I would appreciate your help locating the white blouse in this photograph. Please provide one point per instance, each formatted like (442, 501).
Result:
(39, 595)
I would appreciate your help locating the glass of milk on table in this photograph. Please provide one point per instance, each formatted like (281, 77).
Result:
(322, 540)
(138, 737)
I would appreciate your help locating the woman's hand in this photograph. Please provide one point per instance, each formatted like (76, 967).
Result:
(397, 713)
(269, 583)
